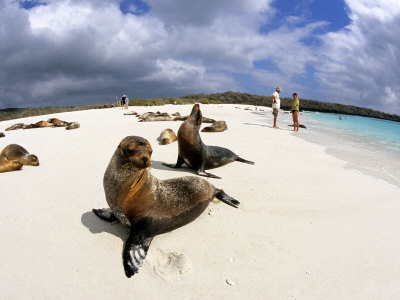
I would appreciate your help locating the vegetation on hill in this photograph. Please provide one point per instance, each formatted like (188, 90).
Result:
(217, 98)
(308, 105)
(17, 113)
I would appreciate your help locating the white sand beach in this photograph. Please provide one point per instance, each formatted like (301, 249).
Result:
(306, 228)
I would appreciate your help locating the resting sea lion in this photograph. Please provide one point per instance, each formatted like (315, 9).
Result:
(18, 153)
(72, 125)
(15, 126)
(167, 136)
(203, 119)
(9, 165)
(152, 117)
(149, 205)
(193, 152)
(42, 124)
(57, 122)
(217, 126)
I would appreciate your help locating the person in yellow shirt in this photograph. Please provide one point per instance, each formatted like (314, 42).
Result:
(294, 108)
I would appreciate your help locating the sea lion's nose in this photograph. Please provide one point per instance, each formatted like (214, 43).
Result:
(144, 159)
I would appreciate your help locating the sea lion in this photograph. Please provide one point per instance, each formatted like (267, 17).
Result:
(148, 205)
(153, 117)
(217, 126)
(19, 153)
(203, 119)
(2, 134)
(131, 113)
(9, 165)
(193, 152)
(167, 136)
(57, 122)
(72, 125)
(42, 124)
(15, 126)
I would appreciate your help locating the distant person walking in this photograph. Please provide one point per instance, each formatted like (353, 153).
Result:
(276, 104)
(123, 100)
(126, 102)
(294, 108)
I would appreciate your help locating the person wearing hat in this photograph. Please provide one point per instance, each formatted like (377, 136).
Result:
(294, 108)
(276, 104)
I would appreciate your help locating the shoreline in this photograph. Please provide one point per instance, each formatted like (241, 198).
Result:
(306, 227)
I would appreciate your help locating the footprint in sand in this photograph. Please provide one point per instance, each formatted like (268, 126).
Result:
(170, 264)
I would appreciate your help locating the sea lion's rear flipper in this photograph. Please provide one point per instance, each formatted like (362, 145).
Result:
(221, 195)
(105, 215)
(244, 160)
(205, 174)
(135, 251)
(178, 164)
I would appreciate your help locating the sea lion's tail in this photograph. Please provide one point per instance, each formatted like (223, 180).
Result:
(221, 195)
(244, 160)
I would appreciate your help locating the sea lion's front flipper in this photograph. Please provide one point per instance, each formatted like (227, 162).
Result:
(221, 195)
(178, 164)
(135, 251)
(205, 174)
(105, 214)
(244, 160)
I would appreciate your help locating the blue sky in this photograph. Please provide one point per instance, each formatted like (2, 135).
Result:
(76, 52)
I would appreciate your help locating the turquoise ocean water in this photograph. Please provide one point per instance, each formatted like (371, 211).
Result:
(367, 145)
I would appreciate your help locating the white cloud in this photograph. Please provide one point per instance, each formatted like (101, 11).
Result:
(67, 52)
(361, 62)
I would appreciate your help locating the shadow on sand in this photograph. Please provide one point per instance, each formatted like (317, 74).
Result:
(95, 225)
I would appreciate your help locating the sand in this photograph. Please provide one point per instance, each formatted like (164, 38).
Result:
(307, 228)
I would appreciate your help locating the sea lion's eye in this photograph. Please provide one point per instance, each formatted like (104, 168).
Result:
(130, 152)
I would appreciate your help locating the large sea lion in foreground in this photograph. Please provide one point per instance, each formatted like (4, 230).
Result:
(9, 165)
(148, 205)
(193, 152)
(19, 153)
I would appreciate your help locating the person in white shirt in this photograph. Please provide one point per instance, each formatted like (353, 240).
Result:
(276, 104)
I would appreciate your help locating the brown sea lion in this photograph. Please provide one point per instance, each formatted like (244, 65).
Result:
(203, 119)
(9, 165)
(131, 113)
(148, 205)
(153, 117)
(42, 124)
(57, 122)
(72, 125)
(217, 126)
(15, 126)
(28, 126)
(167, 136)
(2, 134)
(197, 155)
(19, 153)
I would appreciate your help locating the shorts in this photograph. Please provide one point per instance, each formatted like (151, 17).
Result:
(275, 111)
